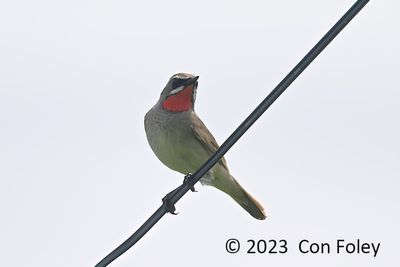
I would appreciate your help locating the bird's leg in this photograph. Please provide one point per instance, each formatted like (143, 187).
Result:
(186, 180)
(168, 206)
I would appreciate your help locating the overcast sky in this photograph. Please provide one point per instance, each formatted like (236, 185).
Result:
(77, 176)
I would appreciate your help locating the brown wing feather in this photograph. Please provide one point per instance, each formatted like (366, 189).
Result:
(205, 137)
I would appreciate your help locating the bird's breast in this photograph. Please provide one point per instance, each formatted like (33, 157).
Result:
(168, 135)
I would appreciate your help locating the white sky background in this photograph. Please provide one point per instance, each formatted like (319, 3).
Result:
(77, 176)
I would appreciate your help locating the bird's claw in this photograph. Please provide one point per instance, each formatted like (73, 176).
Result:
(168, 206)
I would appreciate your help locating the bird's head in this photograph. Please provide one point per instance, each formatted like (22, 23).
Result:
(180, 93)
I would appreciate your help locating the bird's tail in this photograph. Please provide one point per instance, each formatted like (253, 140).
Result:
(244, 199)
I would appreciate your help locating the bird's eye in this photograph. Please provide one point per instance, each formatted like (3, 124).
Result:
(176, 82)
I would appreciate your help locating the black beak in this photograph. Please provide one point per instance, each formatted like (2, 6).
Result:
(191, 80)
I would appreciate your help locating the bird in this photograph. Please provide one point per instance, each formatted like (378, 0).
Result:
(183, 143)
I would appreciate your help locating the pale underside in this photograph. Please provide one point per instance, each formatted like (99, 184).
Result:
(185, 145)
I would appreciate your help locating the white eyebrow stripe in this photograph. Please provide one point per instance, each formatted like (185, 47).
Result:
(179, 76)
(176, 90)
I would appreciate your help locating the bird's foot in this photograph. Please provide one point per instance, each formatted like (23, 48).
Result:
(168, 206)
(186, 180)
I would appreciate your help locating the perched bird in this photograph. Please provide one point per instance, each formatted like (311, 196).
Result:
(183, 143)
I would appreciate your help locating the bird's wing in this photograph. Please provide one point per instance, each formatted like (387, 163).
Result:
(205, 137)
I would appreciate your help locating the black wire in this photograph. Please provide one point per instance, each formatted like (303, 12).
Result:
(175, 195)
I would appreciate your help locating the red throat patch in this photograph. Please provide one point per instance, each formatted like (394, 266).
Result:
(182, 101)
